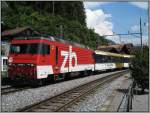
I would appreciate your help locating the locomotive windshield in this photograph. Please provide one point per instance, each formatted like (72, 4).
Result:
(29, 49)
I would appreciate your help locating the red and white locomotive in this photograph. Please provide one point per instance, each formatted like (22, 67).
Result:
(47, 58)
(39, 58)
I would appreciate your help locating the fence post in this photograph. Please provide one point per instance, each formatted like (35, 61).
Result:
(128, 102)
(131, 97)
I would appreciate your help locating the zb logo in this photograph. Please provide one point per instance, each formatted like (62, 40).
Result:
(68, 55)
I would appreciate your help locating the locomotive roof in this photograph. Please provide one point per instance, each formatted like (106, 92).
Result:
(112, 54)
(51, 38)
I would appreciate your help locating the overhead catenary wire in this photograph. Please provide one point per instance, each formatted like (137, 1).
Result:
(123, 27)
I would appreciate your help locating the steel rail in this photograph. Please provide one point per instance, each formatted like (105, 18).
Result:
(125, 98)
(61, 101)
(8, 90)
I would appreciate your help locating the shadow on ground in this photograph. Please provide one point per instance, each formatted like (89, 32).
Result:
(139, 92)
(135, 91)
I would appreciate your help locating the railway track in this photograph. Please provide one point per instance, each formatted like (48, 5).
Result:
(5, 86)
(7, 90)
(66, 99)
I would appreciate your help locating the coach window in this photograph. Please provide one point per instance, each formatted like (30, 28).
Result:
(99, 59)
(106, 59)
(110, 59)
(120, 60)
(117, 59)
(113, 59)
(126, 60)
(103, 59)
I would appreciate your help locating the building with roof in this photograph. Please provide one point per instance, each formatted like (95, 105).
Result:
(118, 48)
(8, 35)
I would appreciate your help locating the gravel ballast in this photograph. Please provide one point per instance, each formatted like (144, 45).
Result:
(94, 101)
(18, 100)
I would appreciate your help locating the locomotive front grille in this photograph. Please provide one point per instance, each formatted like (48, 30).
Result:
(22, 70)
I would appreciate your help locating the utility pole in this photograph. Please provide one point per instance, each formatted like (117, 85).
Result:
(134, 34)
(141, 32)
(120, 38)
(61, 31)
(53, 7)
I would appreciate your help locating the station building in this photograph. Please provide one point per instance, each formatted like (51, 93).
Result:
(118, 48)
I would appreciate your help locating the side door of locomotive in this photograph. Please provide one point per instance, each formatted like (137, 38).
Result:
(56, 60)
(61, 59)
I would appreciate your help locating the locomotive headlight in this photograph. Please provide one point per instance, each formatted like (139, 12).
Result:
(32, 65)
(56, 67)
(9, 64)
(10, 60)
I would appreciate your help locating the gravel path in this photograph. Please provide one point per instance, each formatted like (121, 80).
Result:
(141, 102)
(17, 100)
(94, 101)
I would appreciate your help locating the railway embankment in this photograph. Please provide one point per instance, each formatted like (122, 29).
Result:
(100, 99)
(18, 100)
(113, 96)
(117, 96)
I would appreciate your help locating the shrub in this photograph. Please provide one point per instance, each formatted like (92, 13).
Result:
(140, 67)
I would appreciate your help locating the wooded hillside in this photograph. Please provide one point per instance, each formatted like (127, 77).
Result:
(53, 18)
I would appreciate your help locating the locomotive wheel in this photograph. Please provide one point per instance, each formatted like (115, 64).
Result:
(40, 82)
(50, 78)
(37, 83)
(91, 73)
(83, 73)
(67, 76)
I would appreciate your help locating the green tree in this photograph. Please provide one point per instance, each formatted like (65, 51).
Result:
(39, 15)
(140, 67)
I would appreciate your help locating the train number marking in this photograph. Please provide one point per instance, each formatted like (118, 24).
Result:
(69, 55)
(65, 55)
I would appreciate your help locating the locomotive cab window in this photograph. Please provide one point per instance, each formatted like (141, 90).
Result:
(24, 48)
(35, 48)
(45, 49)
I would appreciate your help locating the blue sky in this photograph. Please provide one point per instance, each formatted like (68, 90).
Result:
(118, 17)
